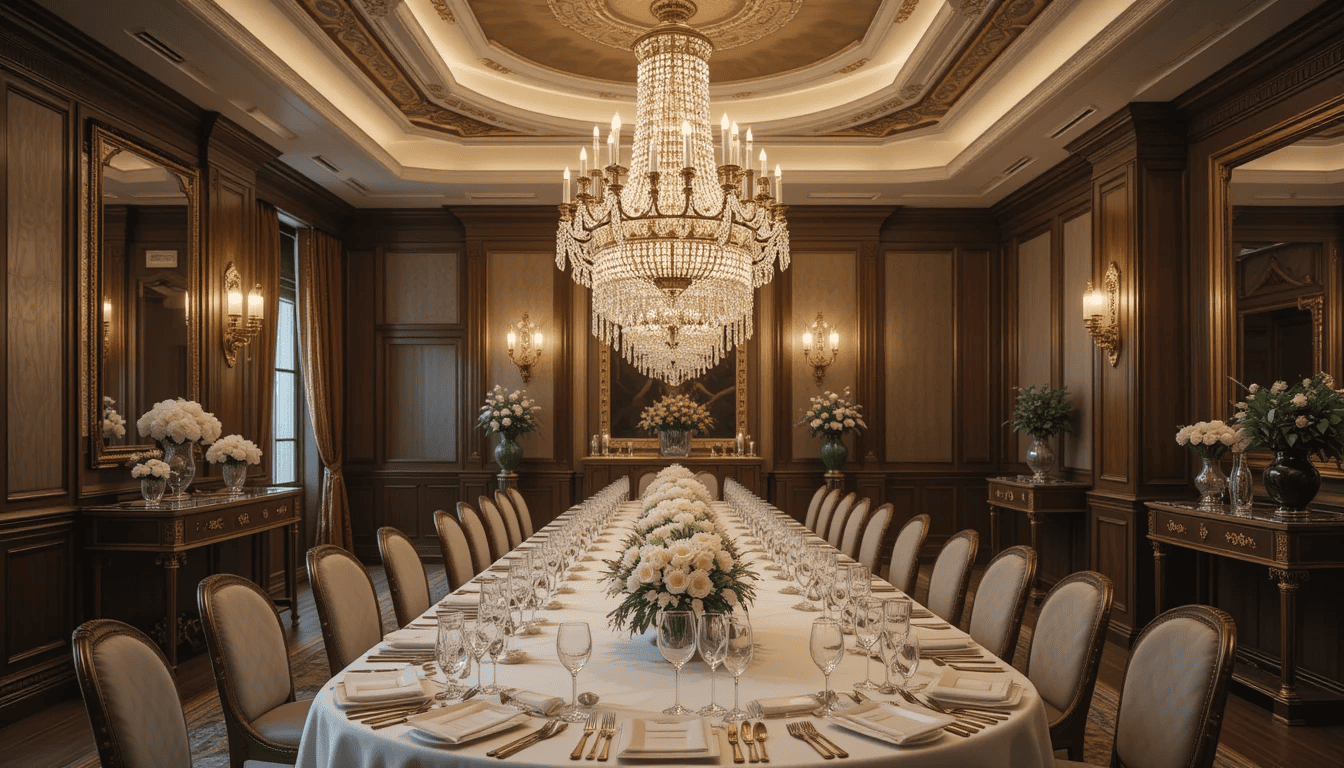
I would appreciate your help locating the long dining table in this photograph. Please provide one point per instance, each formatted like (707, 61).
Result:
(632, 679)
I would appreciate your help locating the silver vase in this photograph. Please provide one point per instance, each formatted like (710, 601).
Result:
(1040, 458)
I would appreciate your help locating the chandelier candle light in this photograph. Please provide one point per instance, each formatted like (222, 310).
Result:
(674, 246)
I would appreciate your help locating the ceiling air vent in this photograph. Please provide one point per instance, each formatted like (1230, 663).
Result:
(360, 188)
(325, 163)
(1015, 167)
(1078, 118)
(156, 45)
(501, 195)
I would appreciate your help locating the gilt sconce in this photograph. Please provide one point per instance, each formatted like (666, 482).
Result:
(244, 322)
(821, 345)
(1101, 310)
(524, 341)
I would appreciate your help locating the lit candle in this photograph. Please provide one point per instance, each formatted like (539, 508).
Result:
(564, 192)
(746, 158)
(255, 306)
(807, 341)
(583, 160)
(611, 149)
(235, 304)
(597, 145)
(686, 143)
(536, 340)
(723, 138)
(107, 311)
(616, 131)
(736, 146)
(512, 339)
(653, 155)
(186, 304)
(835, 341)
(762, 163)
(779, 185)
(1093, 304)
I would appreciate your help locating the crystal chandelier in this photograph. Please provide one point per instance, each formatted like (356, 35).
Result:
(673, 247)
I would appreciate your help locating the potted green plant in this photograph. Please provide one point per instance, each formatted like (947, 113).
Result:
(1041, 413)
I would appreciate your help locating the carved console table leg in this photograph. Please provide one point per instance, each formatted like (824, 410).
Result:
(1159, 576)
(993, 530)
(170, 562)
(1036, 592)
(1288, 584)
(292, 573)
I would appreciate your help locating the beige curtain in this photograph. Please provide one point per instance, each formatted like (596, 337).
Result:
(321, 349)
(268, 270)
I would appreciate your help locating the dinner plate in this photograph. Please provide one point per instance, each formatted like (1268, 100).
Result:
(1014, 698)
(857, 727)
(711, 752)
(426, 720)
(427, 689)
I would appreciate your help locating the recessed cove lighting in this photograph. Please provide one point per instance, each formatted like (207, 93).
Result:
(844, 195)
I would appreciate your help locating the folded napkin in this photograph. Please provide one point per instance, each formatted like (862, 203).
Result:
(469, 720)
(963, 686)
(460, 603)
(667, 735)
(941, 639)
(892, 723)
(419, 639)
(368, 687)
(537, 703)
(787, 705)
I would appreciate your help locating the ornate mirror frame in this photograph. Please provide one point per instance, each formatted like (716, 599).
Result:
(102, 144)
(647, 444)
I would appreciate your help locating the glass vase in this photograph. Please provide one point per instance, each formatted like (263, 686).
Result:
(1292, 481)
(1040, 459)
(834, 452)
(1240, 490)
(181, 461)
(674, 442)
(235, 474)
(152, 489)
(1210, 482)
(508, 453)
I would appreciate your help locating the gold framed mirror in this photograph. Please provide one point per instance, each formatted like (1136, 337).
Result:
(723, 389)
(139, 277)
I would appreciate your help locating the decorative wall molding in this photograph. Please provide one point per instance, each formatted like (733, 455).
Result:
(594, 20)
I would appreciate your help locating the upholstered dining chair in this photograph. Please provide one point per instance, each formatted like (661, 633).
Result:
(1066, 647)
(874, 533)
(837, 525)
(250, 657)
(457, 566)
(476, 540)
(1174, 690)
(510, 516)
(130, 697)
(645, 480)
(1001, 599)
(406, 577)
(525, 516)
(903, 570)
(828, 506)
(858, 518)
(496, 533)
(814, 508)
(710, 482)
(951, 575)
(347, 604)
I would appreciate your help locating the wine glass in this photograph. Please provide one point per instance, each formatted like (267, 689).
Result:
(895, 628)
(711, 638)
(488, 640)
(805, 573)
(737, 655)
(906, 661)
(867, 629)
(837, 593)
(828, 648)
(451, 651)
(676, 639)
(573, 644)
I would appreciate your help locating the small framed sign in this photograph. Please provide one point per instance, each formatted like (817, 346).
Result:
(161, 259)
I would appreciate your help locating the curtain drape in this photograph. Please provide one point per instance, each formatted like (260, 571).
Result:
(268, 269)
(321, 346)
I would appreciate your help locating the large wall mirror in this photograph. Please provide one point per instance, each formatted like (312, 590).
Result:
(142, 276)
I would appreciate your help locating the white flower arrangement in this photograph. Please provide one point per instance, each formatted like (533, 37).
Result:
(233, 450)
(1211, 439)
(1307, 417)
(180, 421)
(114, 425)
(832, 415)
(676, 413)
(508, 413)
(681, 488)
(154, 469)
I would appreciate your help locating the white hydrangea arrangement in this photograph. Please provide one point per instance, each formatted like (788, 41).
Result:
(153, 469)
(508, 413)
(832, 415)
(1212, 439)
(676, 413)
(233, 450)
(114, 425)
(179, 421)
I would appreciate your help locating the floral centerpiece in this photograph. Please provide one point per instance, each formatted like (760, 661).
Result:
(152, 475)
(114, 426)
(1042, 413)
(677, 558)
(178, 425)
(1295, 423)
(1210, 440)
(235, 453)
(674, 418)
(832, 416)
(509, 415)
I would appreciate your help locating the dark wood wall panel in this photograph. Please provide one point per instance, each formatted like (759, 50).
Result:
(420, 400)
(975, 359)
(37, 610)
(1113, 245)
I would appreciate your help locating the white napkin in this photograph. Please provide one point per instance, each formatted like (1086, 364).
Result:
(538, 703)
(460, 602)
(419, 639)
(785, 705)
(467, 721)
(940, 639)
(664, 735)
(954, 684)
(891, 723)
(362, 687)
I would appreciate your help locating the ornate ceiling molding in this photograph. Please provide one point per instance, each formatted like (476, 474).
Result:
(907, 8)
(377, 9)
(444, 11)
(353, 36)
(595, 20)
(1003, 25)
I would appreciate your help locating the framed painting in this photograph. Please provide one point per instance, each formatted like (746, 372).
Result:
(624, 393)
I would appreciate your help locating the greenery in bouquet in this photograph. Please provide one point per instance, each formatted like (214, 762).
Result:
(1042, 412)
(509, 414)
(832, 415)
(676, 413)
(233, 450)
(1212, 439)
(179, 421)
(1304, 417)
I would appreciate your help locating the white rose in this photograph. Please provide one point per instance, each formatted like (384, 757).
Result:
(506, 421)
(1253, 388)
(849, 422)
(632, 583)
(494, 426)
(630, 557)
(700, 584)
(676, 581)
(663, 599)
(1279, 386)
(704, 561)
(648, 573)
(517, 410)
(731, 597)
(1301, 421)
(724, 560)
(1299, 399)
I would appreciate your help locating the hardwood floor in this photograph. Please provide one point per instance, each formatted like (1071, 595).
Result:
(60, 735)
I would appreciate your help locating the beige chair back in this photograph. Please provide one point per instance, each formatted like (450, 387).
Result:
(130, 697)
(347, 605)
(1001, 599)
(814, 508)
(903, 570)
(858, 517)
(645, 480)
(406, 577)
(1175, 688)
(457, 567)
(951, 575)
(510, 516)
(710, 482)
(874, 533)
(475, 530)
(496, 533)
(1066, 647)
(524, 515)
(828, 506)
(838, 519)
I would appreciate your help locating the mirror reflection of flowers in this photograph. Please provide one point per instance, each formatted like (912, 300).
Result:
(832, 415)
(152, 469)
(179, 421)
(233, 450)
(508, 413)
(1306, 416)
(1042, 412)
(676, 413)
(1212, 439)
(114, 425)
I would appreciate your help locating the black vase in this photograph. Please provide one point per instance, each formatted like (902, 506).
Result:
(1292, 480)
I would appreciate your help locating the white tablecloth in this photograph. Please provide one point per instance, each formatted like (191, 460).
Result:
(631, 676)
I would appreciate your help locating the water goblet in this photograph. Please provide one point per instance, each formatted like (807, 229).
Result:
(451, 650)
(895, 628)
(711, 638)
(738, 650)
(906, 661)
(828, 648)
(868, 624)
(573, 645)
(676, 640)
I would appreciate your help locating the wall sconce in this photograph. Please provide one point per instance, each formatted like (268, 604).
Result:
(1101, 313)
(241, 328)
(107, 327)
(524, 346)
(827, 346)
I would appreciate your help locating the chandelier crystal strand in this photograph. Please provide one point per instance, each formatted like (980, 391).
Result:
(674, 252)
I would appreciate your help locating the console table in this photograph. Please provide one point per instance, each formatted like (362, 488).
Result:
(1036, 499)
(1290, 550)
(171, 529)
(601, 471)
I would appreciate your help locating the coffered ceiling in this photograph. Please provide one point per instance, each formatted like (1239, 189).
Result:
(899, 102)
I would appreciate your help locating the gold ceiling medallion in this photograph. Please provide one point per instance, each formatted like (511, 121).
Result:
(597, 21)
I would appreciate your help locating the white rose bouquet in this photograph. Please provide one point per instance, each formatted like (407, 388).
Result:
(1307, 416)
(676, 413)
(832, 415)
(682, 488)
(114, 425)
(1212, 439)
(509, 414)
(179, 421)
(233, 450)
(152, 469)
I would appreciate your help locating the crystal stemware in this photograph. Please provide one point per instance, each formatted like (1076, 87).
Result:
(676, 640)
(828, 648)
(906, 661)
(711, 638)
(895, 628)
(451, 649)
(738, 650)
(573, 645)
(867, 629)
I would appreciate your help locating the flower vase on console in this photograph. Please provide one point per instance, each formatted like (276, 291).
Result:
(181, 461)
(1041, 413)
(1209, 440)
(234, 453)
(674, 418)
(1295, 423)
(674, 442)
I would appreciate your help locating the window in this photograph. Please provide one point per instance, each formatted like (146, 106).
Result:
(285, 443)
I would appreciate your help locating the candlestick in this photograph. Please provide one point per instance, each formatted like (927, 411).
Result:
(762, 163)
(723, 139)
(564, 194)
(779, 185)
(686, 143)
(746, 157)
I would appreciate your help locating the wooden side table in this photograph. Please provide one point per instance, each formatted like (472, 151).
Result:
(1020, 494)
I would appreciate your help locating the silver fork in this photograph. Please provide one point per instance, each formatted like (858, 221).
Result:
(607, 721)
(587, 731)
